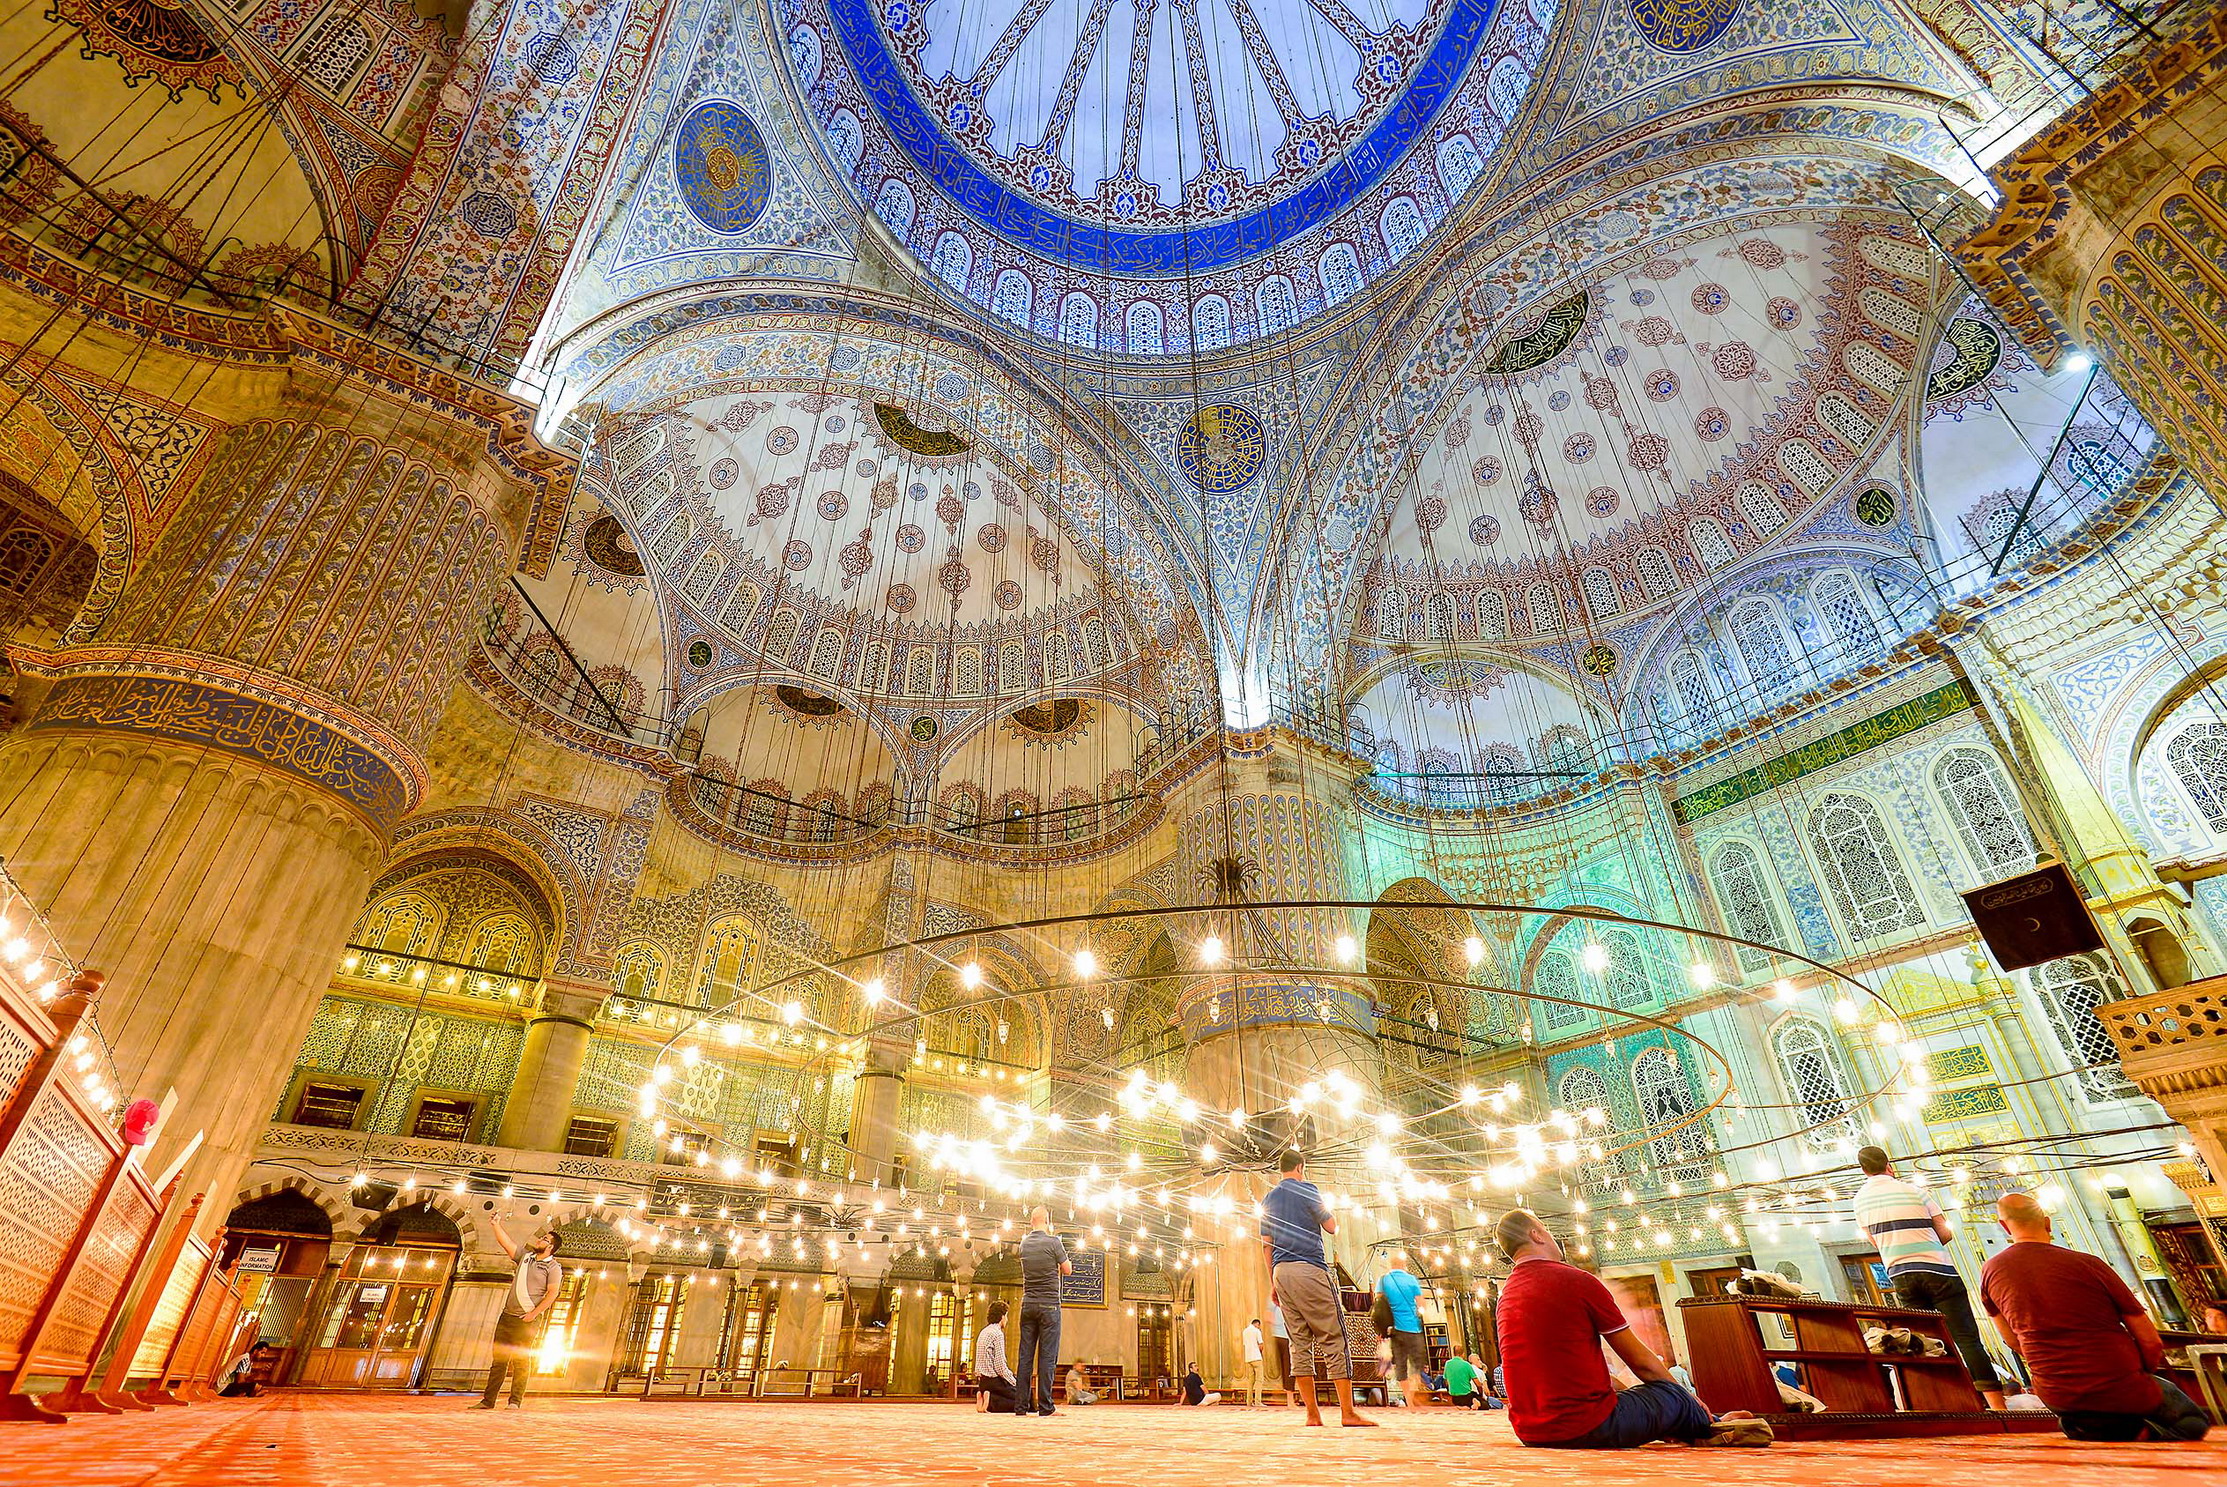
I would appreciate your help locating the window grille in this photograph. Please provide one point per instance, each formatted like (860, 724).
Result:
(1862, 869)
(1626, 971)
(2199, 760)
(2071, 990)
(1810, 1066)
(1843, 608)
(1744, 894)
(1555, 978)
(1762, 641)
(1981, 800)
(1665, 1099)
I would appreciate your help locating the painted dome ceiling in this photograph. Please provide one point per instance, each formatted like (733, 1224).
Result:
(1153, 178)
(1621, 438)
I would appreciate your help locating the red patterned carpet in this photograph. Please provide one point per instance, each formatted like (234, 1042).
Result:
(382, 1441)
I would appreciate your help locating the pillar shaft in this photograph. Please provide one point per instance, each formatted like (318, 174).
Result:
(211, 782)
(553, 1053)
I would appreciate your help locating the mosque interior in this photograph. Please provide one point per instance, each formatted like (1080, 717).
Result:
(768, 632)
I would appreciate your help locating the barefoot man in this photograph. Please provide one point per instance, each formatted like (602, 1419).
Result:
(1292, 1223)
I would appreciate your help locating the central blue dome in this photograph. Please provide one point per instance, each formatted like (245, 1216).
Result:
(1157, 137)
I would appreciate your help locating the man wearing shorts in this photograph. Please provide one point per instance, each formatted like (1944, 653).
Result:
(1400, 1291)
(1292, 1223)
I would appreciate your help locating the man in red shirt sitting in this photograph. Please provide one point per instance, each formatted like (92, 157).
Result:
(1553, 1319)
(2093, 1351)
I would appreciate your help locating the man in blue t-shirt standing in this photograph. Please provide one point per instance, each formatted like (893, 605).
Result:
(1400, 1291)
(1293, 1220)
(1043, 1261)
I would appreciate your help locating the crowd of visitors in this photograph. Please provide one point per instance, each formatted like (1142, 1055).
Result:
(2078, 1330)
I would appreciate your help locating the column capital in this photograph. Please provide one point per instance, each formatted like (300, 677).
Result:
(572, 1001)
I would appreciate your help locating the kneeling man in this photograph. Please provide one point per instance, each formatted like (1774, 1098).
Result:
(2093, 1351)
(1553, 1319)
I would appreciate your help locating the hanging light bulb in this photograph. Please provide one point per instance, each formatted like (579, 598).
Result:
(875, 992)
(970, 975)
(1086, 964)
(1344, 949)
(792, 1012)
(1702, 974)
(1784, 990)
(1210, 951)
(1594, 958)
(1474, 949)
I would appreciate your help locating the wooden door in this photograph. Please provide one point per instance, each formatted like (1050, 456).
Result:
(377, 1325)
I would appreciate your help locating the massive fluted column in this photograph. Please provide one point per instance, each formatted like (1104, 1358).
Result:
(213, 777)
(1254, 1037)
(550, 1058)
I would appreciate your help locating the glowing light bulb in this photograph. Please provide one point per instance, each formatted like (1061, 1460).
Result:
(1206, 1151)
(2079, 362)
(1784, 990)
(1345, 949)
(792, 1012)
(875, 992)
(1702, 974)
(1594, 958)
(1210, 951)
(970, 975)
(1474, 949)
(1844, 1011)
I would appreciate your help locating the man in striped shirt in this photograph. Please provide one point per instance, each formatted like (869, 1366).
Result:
(1911, 1236)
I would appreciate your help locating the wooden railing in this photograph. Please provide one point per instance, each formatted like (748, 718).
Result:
(2172, 1043)
(83, 1219)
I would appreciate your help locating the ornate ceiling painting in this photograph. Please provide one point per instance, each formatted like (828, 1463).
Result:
(1159, 179)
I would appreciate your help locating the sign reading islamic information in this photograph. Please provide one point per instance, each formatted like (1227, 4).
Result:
(1087, 1286)
(720, 164)
(1220, 448)
(1683, 25)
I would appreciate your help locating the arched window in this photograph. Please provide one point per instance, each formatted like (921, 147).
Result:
(1626, 972)
(1458, 165)
(504, 942)
(1442, 615)
(2071, 989)
(1762, 642)
(1760, 509)
(639, 971)
(1340, 269)
(1842, 606)
(1492, 614)
(1015, 298)
(1665, 1100)
(1745, 895)
(952, 261)
(1273, 306)
(1545, 603)
(846, 142)
(23, 553)
(1078, 321)
(1710, 545)
(1144, 328)
(1689, 679)
(1600, 593)
(1210, 323)
(1862, 868)
(895, 206)
(730, 954)
(1555, 978)
(1402, 225)
(1563, 750)
(1810, 1066)
(1656, 575)
(1582, 1089)
(2199, 760)
(1981, 799)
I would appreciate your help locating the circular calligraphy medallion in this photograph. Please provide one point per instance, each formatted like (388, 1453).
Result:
(1220, 448)
(721, 166)
(1599, 660)
(1683, 25)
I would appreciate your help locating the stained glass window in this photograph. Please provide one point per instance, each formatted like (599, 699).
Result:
(1210, 323)
(2199, 759)
(1078, 320)
(1810, 1065)
(1690, 680)
(1274, 307)
(1665, 1099)
(1555, 978)
(1762, 640)
(2071, 990)
(1144, 328)
(1761, 510)
(1403, 227)
(1600, 593)
(1341, 273)
(953, 260)
(1749, 909)
(1656, 575)
(1015, 297)
(1545, 604)
(1709, 543)
(1862, 869)
(1843, 608)
(1492, 615)
(1981, 800)
(1627, 971)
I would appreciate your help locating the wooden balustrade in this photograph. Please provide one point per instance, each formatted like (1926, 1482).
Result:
(83, 1219)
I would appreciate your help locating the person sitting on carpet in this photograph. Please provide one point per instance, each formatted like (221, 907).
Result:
(1194, 1388)
(2093, 1351)
(1078, 1387)
(1553, 1320)
(993, 1375)
(1461, 1382)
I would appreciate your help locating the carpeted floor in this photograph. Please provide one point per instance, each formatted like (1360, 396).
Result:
(310, 1440)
